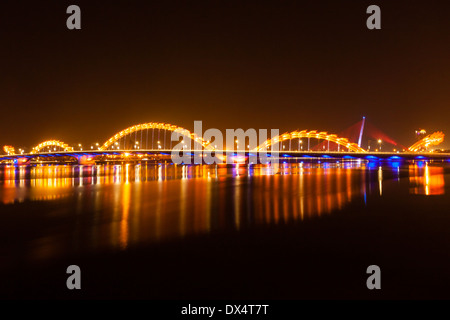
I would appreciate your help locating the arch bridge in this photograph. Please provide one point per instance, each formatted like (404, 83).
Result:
(154, 138)
(289, 136)
(138, 137)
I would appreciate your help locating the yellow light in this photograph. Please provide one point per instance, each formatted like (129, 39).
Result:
(432, 139)
(312, 134)
(151, 125)
(54, 143)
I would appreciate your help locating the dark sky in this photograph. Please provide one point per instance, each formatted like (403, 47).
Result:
(233, 64)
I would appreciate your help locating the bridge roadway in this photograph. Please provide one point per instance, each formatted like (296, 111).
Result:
(92, 154)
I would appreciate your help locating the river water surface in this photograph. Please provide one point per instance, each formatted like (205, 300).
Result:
(303, 230)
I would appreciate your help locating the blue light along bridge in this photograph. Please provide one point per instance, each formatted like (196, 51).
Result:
(93, 157)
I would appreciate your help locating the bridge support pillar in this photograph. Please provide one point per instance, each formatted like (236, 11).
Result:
(86, 160)
(21, 161)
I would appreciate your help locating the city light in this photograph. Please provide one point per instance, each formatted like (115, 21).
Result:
(51, 143)
(343, 144)
(430, 140)
(148, 126)
(312, 134)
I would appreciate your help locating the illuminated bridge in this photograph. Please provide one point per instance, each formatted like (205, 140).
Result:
(153, 142)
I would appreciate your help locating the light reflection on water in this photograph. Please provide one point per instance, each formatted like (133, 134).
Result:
(51, 182)
(426, 179)
(117, 206)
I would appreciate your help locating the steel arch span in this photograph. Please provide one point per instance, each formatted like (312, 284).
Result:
(51, 143)
(311, 134)
(153, 125)
(9, 150)
(431, 140)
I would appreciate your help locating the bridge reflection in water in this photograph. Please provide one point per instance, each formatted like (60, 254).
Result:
(116, 206)
(425, 179)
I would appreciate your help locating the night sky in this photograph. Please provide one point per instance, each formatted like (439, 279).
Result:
(233, 64)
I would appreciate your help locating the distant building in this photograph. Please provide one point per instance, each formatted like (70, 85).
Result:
(420, 134)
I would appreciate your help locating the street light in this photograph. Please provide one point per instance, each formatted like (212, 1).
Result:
(379, 142)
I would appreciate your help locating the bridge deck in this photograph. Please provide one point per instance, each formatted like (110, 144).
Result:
(281, 154)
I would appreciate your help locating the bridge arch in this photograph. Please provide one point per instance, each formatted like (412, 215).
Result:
(51, 143)
(9, 150)
(430, 140)
(115, 139)
(311, 134)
